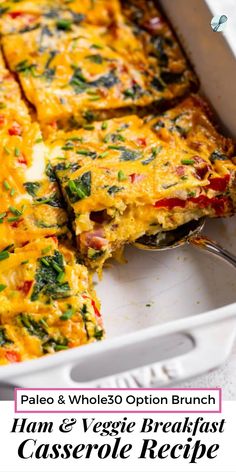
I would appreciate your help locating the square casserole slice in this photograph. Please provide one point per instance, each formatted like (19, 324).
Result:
(46, 304)
(89, 72)
(129, 176)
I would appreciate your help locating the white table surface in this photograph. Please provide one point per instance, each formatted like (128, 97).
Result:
(225, 375)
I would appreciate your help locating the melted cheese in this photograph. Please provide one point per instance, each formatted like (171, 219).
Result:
(116, 176)
(80, 63)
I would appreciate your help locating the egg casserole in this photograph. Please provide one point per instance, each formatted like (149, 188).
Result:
(130, 176)
(99, 146)
(46, 304)
(74, 72)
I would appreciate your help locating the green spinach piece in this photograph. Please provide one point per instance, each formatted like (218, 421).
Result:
(46, 279)
(217, 156)
(79, 188)
(3, 337)
(32, 188)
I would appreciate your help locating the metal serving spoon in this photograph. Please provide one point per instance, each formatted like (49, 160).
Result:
(187, 233)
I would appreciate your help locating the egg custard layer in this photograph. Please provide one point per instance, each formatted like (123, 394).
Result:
(74, 71)
(46, 304)
(130, 176)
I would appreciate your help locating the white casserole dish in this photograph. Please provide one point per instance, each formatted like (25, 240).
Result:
(168, 341)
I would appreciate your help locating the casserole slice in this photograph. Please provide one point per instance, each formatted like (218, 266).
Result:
(46, 304)
(86, 72)
(30, 201)
(129, 176)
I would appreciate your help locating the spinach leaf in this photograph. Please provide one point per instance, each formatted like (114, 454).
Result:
(133, 92)
(32, 188)
(53, 200)
(159, 50)
(25, 67)
(3, 337)
(67, 165)
(155, 152)
(50, 172)
(127, 154)
(171, 77)
(107, 80)
(78, 81)
(79, 188)
(217, 156)
(114, 189)
(158, 84)
(98, 333)
(95, 58)
(48, 278)
(4, 10)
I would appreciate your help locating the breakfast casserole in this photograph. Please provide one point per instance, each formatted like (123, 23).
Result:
(77, 72)
(130, 176)
(46, 304)
(102, 141)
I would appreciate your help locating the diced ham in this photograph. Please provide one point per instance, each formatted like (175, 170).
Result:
(95, 239)
(180, 170)
(136, 178)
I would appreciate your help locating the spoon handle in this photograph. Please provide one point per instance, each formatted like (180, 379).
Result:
(202, 242)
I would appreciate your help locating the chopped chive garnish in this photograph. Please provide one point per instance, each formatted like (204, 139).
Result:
(7, 150)
(12, 192)
(59, 347)
(104, 125)
(61, 277)
(15, 211)
(13, 218)
(6, 185)
(121, 175)
(56, 267)
(25, 262)
(88, 127)
(45, 262)
(17, 152)
(84, 152)
(187, 162)
(68, 314)
(2, 287)
(117, 148)
(104, 154)
(2, 215)
(95, 98)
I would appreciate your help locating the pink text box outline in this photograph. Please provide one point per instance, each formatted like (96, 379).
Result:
(119, 411)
